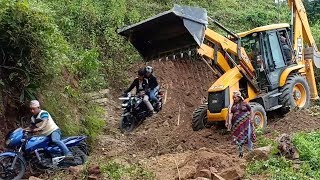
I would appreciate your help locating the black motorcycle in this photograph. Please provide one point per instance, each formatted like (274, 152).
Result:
(135, 111)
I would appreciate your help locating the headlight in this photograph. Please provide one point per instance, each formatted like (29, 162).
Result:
(124, 105)
(8, 142)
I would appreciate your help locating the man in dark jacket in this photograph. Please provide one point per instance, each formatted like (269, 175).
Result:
(142, 88)
(153, 83)
(286, 49)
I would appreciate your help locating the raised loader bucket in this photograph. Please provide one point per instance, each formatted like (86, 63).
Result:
(170, 31)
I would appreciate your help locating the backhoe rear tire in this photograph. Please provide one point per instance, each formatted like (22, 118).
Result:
(259, 115)
(295, 93)
(199, 118)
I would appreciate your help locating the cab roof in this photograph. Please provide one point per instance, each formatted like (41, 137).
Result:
(264, 28)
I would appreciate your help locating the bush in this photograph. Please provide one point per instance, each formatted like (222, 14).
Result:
(39, 62)
(280, 168)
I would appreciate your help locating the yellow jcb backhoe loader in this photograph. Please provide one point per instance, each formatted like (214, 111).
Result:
(272, 66)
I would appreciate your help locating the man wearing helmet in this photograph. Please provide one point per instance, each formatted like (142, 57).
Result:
(153, 83)
(43, 124)
(142, 88)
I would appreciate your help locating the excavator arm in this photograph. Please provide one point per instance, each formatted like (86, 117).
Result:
(173, 32)
(228, 47)
(304, 44)
(301, 27)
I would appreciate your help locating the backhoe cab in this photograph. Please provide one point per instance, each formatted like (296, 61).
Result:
(272, 66)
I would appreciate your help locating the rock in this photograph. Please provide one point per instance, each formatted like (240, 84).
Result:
(186, 172)
(92, 177)
(213, 170)
(286, 147)
(261, 153)
(296, 166)
(122, 161)
(98, 95)
(214, 174)
(34, 178)
(204, 173)
(70, 177)
(93, 95)
(166, 123)
(230, 174)
(188, 104)
(104, 91)
(179, 148)
(102, 101)
(95, 169)
(202, 178)
(76, 170)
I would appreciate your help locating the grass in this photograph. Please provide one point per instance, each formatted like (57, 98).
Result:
(279, 168)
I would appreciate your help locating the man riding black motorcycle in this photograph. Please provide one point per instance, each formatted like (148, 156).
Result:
(153, 83)
(142, 88)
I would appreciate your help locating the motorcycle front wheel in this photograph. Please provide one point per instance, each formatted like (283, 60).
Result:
(6, 173)
(127, 123)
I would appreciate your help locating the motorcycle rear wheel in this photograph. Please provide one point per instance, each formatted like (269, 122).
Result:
(79, 156)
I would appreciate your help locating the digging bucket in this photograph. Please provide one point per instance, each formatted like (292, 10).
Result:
(182, 27)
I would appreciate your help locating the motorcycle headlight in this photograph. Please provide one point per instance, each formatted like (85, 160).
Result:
(8, 141)
(139, 101)
(124, 105)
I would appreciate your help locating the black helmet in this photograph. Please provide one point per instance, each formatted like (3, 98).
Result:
(141, 72)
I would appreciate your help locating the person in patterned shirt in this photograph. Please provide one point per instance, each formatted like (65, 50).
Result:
(43, 125)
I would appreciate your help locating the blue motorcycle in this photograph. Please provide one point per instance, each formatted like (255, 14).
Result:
(39, 153)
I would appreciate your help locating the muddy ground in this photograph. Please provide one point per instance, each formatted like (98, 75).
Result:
(166, 143)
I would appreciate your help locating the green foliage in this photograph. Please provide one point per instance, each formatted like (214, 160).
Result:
(39, 61)
(308, 146)
(90, 26)
(313, 10)
(89, 71)
(29, 45)
(280, 168)
(116, 171)
(92, 122)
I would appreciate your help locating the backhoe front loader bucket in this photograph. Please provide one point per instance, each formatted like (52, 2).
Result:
(179, 28)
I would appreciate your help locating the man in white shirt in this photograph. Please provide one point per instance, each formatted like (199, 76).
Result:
(43, 124)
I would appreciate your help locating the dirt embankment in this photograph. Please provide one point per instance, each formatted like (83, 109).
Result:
(166, 143)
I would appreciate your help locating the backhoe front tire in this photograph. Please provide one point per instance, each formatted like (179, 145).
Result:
(199, 118)
(259, 115)
(295, 93)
